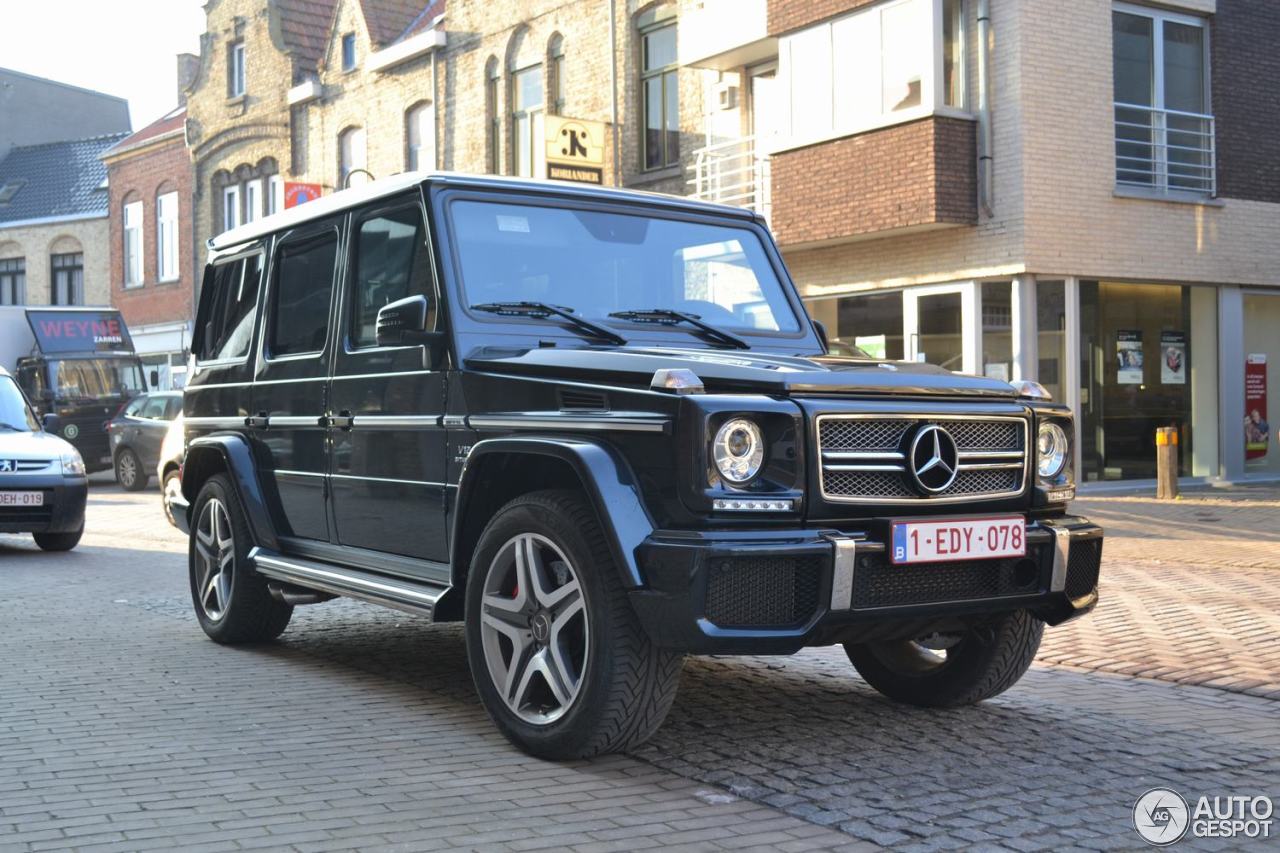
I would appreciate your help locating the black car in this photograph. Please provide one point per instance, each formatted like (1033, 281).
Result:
(136, 433)
(599, 428)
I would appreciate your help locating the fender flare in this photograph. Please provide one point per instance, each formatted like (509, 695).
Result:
(232, 452)
(605, 476)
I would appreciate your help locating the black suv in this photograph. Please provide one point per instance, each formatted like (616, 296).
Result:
(599, 428)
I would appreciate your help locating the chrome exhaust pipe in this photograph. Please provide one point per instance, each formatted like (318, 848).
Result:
(296, 596)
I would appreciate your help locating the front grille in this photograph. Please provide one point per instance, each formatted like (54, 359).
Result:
(763, 592)
(880, 583)
(1082, 567)
(865, 459)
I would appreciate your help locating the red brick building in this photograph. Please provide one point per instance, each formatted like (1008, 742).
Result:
(153, 251)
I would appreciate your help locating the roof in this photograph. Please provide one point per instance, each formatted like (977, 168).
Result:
(389, 20)
(170, 124)
(58, 179)
(46, 81)
(383, 187)
(424, 20)
(304, 26)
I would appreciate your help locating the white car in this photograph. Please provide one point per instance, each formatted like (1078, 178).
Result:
(169, 471)
(43, 487)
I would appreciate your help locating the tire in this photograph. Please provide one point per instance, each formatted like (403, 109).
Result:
(984, 662)
(231, 600)
(624, 686)
(129, 471)
(58, 541)
(171, 478)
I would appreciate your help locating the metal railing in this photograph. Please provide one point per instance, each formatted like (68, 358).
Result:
(1165, 150)
(732, 173)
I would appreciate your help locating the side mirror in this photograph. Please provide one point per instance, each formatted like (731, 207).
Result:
(404, 323)
(155, 379)
(822, 335)
(51, 423)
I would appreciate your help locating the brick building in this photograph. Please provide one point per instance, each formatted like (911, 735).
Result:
(153, 254)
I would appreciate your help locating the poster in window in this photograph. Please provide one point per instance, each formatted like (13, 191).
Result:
(1173, 358)
(1129, 357)
(1257, 432)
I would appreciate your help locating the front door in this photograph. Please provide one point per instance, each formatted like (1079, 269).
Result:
(388, 441)
(939, 326)
(289, 394)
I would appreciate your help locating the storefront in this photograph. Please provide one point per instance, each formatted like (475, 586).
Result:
(1128, 357)
(163, 349)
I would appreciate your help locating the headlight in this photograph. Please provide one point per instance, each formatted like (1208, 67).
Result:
(738, 450)
(1051, 450)
(72, 462)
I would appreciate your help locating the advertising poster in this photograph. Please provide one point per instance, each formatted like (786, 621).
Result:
(1173, 358)
(1257, 432)
(1129, 357)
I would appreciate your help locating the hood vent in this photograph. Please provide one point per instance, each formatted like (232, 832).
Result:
(578, 400)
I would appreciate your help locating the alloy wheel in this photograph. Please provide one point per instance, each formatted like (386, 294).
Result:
(216, 557)
(534, 629)
(127, 469)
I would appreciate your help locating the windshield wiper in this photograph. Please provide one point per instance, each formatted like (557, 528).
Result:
(544, 311)
(669, 317)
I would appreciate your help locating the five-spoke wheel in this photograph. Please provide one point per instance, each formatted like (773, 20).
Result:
(215, 546)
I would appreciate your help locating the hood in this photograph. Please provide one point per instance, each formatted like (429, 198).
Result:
(740, 371)
(31, 445)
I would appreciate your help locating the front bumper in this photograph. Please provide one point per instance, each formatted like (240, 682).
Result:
(63, 509)
(775, 592)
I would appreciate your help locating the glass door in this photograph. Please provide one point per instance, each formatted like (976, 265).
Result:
(940, 326)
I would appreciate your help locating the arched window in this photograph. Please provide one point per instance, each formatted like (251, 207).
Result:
(351, 158)
(167, 233)
(132, 220)
(493, 116)
(66, 263)
(420, 136)
(555, 74)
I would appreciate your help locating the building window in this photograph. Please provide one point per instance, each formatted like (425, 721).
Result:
(253, 202)
(661, 94)
(1164, 130)
(132, 244)
(351, 158)
(953, 53)
(349, 52)
(167, 237)
(13, 281)
(230, 207)
(235, 69)
(526, 121)
(275, 194)
(420, 137)
(495, 119)
(555, 67)
(68, 279)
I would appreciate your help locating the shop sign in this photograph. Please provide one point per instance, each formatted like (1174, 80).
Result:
(79, 331)
(1173, 358)
(1129, 357)
(1257, 432)
(299, 193)
(575, 149)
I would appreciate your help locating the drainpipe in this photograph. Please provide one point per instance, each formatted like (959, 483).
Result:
(986, 176)
(435, 114)
(613, 86)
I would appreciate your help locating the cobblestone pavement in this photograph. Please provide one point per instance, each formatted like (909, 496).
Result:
(122, 727)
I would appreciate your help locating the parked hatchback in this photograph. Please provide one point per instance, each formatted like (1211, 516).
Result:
(136, 434)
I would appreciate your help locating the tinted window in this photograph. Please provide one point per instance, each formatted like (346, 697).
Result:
(391, 263)
(304, 280)
(229, 302)
(153, 409)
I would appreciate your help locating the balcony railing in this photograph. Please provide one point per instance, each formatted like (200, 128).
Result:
(732, 173)
(1165, 150)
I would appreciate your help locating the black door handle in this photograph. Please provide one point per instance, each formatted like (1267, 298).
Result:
(258, 421)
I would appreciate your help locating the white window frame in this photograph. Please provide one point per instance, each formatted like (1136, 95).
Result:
(254, 204)
(275, 194)
(167, 239)
(237, 71)
(133, 245)
(422, 155)
(352, 157)
(230, 207)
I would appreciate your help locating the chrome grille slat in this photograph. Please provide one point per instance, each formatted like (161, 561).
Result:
(863, 457)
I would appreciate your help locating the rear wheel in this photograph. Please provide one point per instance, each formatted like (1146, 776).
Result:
(559, 658)
(231, 600)
(949, 670)
(129, 472)
(58, 541)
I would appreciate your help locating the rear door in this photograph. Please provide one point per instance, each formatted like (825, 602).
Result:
(388, 445)
(149, 425)
(289, 392)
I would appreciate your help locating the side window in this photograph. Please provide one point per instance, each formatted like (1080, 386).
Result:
(392, 262)
(153, 409)
(135, 407)
(174, 408)
(300, 301)
(229, 309)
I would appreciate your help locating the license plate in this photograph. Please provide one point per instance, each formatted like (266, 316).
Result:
(21, 498)
(959, 539)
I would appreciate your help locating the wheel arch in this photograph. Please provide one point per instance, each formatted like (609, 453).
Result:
(230, 454)
(501, 469)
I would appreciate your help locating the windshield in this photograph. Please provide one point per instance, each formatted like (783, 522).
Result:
(600, 263)
(14, 411)
(97, 378)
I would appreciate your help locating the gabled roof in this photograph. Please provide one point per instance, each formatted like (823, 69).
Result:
(167, 125)
(424, 20)
(58, 179)
(388, 20)
(304, 26)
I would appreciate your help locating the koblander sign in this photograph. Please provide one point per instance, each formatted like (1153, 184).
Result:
(79, 331)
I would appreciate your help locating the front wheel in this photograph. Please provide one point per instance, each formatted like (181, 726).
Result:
(949, 670)
(559, 658)
(58, 541)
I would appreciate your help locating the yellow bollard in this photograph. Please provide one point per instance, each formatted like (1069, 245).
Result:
(1167, 463)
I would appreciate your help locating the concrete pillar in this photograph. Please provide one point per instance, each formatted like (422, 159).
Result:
(1205, 457)
(1231, 381)
(1026, 337)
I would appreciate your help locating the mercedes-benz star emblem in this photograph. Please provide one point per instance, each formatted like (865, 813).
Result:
(934, 459)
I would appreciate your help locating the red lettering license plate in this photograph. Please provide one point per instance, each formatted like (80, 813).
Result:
(959, 539)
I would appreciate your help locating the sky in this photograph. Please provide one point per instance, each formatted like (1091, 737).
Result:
(125, 48)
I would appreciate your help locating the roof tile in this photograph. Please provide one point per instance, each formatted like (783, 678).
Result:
(59, 178)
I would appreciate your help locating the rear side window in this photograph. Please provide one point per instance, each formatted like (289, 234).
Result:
(154, 409)
(304, 282)
(230, 302)
(135, 406)
(391, 263)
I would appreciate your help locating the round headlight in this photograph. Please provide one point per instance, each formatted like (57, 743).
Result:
(738, 450)
(1051, 451)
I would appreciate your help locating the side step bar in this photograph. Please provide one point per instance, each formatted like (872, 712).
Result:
(418, 598)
